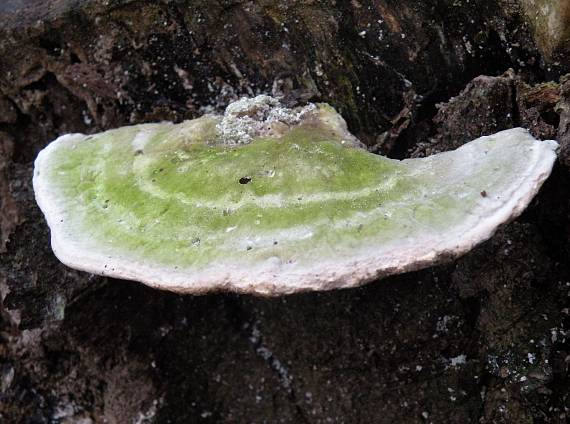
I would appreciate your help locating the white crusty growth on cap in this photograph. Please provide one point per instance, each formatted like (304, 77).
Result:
(290, 202)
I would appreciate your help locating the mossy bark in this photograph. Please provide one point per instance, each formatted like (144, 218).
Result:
(481, 339)
(550, 21)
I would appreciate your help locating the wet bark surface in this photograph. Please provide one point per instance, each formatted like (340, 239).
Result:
(482, 339)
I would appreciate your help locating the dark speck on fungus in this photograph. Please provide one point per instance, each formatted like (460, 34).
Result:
(244, 180)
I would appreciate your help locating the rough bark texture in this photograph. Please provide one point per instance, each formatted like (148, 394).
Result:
(479, 340)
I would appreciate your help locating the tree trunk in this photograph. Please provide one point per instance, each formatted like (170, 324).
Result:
(481, 339)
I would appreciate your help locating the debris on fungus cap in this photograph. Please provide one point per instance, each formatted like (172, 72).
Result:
(271, 201)
(263, 116)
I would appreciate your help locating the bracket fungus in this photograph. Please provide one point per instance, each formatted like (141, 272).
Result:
(270, 200)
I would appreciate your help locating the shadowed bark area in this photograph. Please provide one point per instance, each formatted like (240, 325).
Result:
(482, 339)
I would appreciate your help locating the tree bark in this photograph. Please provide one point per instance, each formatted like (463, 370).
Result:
(481, 339)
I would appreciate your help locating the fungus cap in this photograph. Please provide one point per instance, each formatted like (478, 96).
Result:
(271, 201)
